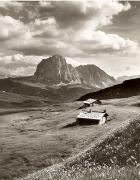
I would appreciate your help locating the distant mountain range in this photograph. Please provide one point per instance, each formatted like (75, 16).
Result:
(127, 89)
(124, 78)
(2, 76)
(58, 81)
(56, 71)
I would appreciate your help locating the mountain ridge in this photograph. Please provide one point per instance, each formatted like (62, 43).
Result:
(126, 89)
(55, 70)
(57, 80)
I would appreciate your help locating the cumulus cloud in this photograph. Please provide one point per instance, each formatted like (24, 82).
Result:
(11, 28)
(76, 13)
(69, 28)
(73, 62)
(100, 42)
(60, 23)
(69, 13)
(18, 59)
(45, 28)
(18, 64)
(79, 21)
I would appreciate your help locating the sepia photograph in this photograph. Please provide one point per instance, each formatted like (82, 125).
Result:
(69, 90)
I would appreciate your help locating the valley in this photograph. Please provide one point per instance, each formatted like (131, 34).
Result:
(69, 90)
(37, 139)
(38, 128)
(55, 80)
(26, 93)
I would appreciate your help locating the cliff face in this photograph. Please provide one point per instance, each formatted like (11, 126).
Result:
(55, 70)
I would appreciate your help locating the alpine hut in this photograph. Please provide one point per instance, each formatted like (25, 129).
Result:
(92, 117)
(91, 102)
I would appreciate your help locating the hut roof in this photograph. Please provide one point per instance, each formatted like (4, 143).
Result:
(89, 101)
(91, 115)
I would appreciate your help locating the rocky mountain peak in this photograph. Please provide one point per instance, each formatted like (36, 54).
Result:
(58, 59)
(55, 70)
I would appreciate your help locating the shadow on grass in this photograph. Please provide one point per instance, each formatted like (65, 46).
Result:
(80, 123)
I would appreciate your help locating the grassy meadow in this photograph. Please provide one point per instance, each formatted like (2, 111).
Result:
(43, 141)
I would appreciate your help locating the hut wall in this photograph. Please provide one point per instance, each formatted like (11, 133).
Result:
(102, 121)
(82, 121)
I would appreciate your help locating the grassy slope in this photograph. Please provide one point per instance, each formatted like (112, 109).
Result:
(126, 89)
(131, 101)
(61, 94)
(114, 157)
(13, 100)
(113, 152)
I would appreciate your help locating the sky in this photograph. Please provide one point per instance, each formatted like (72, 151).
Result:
(100, 32)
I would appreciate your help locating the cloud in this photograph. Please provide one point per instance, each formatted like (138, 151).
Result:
(11, 28)
(72, 29)
(19, 59)
(47, 47)
(9, 3)
(45, 28)
(59, 24)
(100, 42)
(128, 68)
(74, 25)
(76, 13)
(73, 62)
(18, 64)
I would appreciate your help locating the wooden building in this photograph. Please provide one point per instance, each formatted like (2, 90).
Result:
(91, 102)
(92, 117)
